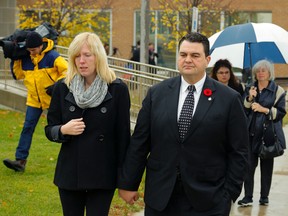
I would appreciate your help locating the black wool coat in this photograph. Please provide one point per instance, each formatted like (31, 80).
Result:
(90, 160)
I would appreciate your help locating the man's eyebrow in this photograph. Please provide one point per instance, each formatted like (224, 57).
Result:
(187, 52)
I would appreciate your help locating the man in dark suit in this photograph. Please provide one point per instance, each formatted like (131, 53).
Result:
(202, 173)
(136, 53)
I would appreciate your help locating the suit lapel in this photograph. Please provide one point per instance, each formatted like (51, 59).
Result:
(204, 105)
(172, 98)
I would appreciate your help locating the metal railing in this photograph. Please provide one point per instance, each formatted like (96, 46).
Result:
(139, 78)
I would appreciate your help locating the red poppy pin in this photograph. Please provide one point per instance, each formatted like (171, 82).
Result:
(207, 92)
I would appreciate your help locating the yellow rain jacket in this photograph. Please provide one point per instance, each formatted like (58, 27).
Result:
(39, 72)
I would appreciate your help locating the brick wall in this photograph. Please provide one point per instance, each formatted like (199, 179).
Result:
(7, 17)
(123, 20)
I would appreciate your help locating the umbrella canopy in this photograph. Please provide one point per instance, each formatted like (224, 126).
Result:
(245, 44)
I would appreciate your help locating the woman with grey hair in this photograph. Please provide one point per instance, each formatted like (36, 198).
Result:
(90, 116)
(263, 98)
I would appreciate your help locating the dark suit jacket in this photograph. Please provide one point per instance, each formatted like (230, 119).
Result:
(212, 157)
(90, 160)
(136, 55)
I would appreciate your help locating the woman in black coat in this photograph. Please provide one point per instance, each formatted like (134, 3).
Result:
(90, 115)
(261, 99)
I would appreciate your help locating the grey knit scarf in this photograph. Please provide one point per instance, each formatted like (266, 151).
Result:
(93, 96)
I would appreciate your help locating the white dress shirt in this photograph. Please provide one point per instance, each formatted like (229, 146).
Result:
(184, 92)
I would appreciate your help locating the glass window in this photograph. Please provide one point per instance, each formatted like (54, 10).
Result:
(245, 17)
(159, 36)
(209, 23)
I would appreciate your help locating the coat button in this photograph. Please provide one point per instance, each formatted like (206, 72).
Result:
(103, 109)
(72, 108)
(101, 138)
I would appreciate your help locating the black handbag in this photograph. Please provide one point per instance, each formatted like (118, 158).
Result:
(270, 144)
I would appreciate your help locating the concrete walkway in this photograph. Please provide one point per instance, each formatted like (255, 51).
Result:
(278, 198)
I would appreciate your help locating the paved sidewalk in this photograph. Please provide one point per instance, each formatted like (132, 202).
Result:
(278, 205)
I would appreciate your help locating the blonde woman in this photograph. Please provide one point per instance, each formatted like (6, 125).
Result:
(89, 115)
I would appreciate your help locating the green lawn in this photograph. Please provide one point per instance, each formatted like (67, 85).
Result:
(33, 193)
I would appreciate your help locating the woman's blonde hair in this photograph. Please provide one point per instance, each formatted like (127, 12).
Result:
(263, 64)
(97, 49)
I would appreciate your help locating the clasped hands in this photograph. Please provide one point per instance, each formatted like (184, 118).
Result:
(256, 107)
(129, 197)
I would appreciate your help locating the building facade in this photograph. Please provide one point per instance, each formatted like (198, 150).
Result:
(8, 17)
(126, 27)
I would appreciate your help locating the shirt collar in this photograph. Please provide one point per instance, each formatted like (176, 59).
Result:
(198, 85)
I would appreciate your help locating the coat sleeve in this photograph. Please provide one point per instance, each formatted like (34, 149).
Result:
(16, 69)
(237, 149)
(61, 66)
(123, 123)
(54, 116)
(279, 108)
(136, 157)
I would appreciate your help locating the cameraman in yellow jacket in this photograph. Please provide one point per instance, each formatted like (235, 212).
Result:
(39, 70)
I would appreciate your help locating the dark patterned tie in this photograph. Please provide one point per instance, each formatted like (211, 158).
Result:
(186, 112)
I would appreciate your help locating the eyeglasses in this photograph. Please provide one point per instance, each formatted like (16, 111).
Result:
(222, 73)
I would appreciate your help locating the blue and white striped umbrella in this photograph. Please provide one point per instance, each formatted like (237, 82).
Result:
(245, 44)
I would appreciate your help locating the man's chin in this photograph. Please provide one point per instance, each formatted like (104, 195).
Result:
(189, 72)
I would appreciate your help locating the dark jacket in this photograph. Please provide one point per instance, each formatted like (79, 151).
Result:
(212, 158)
(152, 56)
(239, 88)
(276, 103)
(90, 160)
(136, 55)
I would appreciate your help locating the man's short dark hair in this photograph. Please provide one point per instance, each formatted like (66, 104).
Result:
(198, 38)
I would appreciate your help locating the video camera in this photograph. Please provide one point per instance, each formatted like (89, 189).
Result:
(14, 45)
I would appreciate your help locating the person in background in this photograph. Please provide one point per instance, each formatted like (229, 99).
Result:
(39, 71)
(190, 136)
(116, 52)
(152, 54)
(222, 71)
(90, 116)
(151, 57)
(107, 48)
(263, 97)
(136, 53)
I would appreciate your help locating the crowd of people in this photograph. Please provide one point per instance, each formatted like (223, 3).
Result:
(152, 55)
(197, 135)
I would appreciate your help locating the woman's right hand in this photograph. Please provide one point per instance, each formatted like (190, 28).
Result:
(252, 93)
(73, 127)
